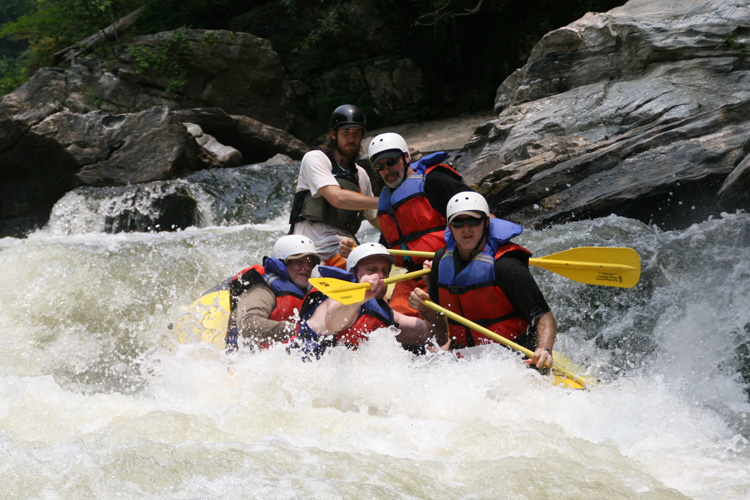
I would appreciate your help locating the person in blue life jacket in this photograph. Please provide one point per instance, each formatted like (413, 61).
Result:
(411, 207)
(334, 194)
(326, 322)
(265, 300)
(484, 277)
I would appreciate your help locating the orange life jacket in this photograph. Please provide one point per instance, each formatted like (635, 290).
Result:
(473, 293)
(407, 220)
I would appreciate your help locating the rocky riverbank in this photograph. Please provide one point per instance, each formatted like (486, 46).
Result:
(642, 111)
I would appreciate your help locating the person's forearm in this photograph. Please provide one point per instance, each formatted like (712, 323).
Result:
(439, 328)
(339, 316)
(346, 199)
(436, 321)
(252, 312)
(546, 330)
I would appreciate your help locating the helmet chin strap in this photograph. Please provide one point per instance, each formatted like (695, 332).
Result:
(482, 241)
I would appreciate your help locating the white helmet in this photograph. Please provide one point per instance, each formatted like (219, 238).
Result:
(293, 246)
(388, 145)
(367, 250)
(466, 202)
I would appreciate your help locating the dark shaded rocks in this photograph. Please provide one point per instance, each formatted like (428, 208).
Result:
(123, 122)
(157, 207)
(235, 71)
(735, 191)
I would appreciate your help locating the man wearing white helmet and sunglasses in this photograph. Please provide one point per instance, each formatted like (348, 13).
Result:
(411, 207)
(265, 300)
(326, 322)
(484, 277)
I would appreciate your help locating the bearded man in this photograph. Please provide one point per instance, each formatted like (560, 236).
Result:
(334, 194)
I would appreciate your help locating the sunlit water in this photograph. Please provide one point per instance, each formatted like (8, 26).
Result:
(98, 400)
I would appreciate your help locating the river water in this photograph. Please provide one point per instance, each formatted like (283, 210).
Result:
(98, 399)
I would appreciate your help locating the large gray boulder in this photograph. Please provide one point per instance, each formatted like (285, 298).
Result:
(43, 157)
(255, 140)
(188, 68)
(123, 123)
(46, 150)
(641, 111)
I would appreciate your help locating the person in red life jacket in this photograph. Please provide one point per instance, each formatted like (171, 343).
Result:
(484, 277)
(411, 207)
(265, 300)
(333, 193)
(326, 323)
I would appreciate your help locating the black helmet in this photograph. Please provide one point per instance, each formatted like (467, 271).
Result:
(347, 114)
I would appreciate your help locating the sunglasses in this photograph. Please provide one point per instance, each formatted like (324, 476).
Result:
(387, 163)
(470, 221)
(307, 260)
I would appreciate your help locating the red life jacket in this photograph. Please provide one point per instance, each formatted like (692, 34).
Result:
(373, 314)
(274, 275)
(473, 294)
(407, 220)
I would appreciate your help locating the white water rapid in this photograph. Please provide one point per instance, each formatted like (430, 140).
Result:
(97, 399)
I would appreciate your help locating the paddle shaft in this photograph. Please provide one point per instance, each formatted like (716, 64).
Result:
(387, 281)
(507, 343)
(533, 261)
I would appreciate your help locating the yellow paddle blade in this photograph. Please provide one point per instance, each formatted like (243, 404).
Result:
(508, 343)
(348, 293)
(341, 291)
(604, 266)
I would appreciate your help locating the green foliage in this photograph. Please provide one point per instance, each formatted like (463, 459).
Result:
(13, 72)
(330, 26)
(210, 38)
(52, 25)
(330, 22)
(10, 10)
(339, 90)
(167, 60)
(731, 41)
(464, 48)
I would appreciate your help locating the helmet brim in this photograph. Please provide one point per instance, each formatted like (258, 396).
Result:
(348, 125)
(300, 255)
(390, 153)
(477, 214)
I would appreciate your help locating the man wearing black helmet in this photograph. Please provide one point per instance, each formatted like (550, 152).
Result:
(333, 193)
